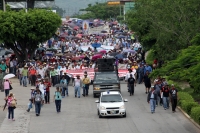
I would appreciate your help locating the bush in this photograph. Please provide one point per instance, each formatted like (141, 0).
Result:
(187, 106)
(195, 114)
(184, 96)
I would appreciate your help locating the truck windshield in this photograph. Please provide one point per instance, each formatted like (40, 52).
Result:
(106, 76)
(111, 98)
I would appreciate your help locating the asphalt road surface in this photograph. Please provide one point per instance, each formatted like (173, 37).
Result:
(79, 115)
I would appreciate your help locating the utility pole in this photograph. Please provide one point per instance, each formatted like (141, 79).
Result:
(4, 5)
(26, 6)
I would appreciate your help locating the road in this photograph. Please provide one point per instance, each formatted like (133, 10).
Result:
(79, 115)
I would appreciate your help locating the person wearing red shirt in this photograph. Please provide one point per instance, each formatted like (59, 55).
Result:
(48, 85)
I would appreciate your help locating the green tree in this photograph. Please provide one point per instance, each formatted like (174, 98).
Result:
(165, 26)
(100, 10)
(22, 32)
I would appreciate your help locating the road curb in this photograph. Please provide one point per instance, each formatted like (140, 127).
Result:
(187, 116)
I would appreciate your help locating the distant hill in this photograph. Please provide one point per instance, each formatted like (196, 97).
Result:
(73, 6)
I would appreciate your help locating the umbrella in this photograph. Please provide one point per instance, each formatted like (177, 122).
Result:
(97, 56)
(8, 76)
(129, 50)
(76, 58)
(59, 54)
(64, 35)
(96, 45)
(69, 54)
(120, 37)
(51, 49)
(103, 51)
(61, 85)
(119, 56)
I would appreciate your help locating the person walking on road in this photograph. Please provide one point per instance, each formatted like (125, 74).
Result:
(165, 96)
(38, 101)
(24, 76)
(77, 86)
(11, 101)
(47, 96)
(151, 98)
(131, 84)
(147, 81)
(173, 96)
(65, 87)
(58, 98)
(86, 84)
(7, 87)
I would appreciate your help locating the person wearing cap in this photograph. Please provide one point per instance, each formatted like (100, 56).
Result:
(164, 92)
(151, 98)
(173, 97)
(24, 75)
(86, 83)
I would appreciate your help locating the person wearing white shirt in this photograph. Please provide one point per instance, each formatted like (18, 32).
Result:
(78, 66)
(62, 69)
(128, 76)
(41, 72)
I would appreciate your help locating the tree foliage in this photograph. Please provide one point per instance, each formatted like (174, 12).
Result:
(22, 32)
(165, 26)
(185, 68)
(101, 11)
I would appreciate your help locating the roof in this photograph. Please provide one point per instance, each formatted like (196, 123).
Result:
(110, 92)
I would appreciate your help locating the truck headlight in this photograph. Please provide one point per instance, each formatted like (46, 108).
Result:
(122, 107)
(102, 108)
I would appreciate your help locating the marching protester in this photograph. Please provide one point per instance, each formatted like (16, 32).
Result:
(165, 95)
(38, 101)
(47, 94)
(24, 76)
(131, 84)
(173, 97)
(30, 104)
(147, 81)
(152, 98)
(65, 87)
(7, 86)
(77, 86)
(11, 101)
(86, 84)
(57, 99)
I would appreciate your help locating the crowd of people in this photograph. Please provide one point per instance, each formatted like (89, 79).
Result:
(65, 51)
